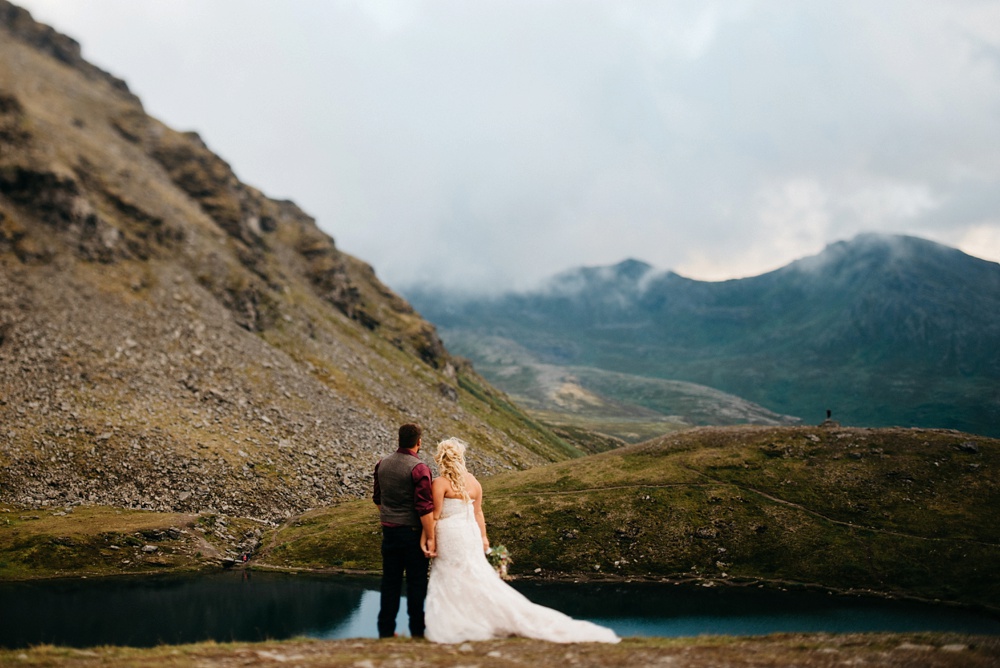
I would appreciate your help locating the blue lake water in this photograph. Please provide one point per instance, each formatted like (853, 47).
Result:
(257, 606)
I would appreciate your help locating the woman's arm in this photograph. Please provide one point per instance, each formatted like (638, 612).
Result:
(428, 538)
(476, 492)
(438, 488)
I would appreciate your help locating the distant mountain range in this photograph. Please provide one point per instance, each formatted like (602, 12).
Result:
(881, 330)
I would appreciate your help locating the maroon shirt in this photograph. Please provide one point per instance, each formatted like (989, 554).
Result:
(423, 500)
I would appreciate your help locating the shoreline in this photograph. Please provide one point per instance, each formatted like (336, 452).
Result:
(604, 578)
(774, 585)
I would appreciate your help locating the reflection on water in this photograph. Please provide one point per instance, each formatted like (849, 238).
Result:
(243, 606)
(176, 609)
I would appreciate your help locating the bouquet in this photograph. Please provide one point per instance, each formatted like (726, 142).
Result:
(499, 557)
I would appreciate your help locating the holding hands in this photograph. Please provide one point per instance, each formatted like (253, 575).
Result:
(428, 544)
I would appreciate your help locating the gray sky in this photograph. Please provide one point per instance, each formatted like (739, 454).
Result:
(490, 144)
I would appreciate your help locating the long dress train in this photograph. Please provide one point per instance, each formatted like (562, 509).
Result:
(467, 600)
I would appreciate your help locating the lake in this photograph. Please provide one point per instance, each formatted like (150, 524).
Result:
(250, 605)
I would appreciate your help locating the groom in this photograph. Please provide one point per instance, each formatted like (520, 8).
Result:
(403, 496)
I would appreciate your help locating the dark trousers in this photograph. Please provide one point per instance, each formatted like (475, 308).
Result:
(401, 553)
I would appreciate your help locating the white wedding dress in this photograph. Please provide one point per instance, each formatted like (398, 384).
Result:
(467, 600)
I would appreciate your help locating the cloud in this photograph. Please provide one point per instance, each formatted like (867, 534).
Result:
(982, 239)
(495, 143)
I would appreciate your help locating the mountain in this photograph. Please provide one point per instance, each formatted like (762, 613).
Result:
(173, 339)
(882, 330)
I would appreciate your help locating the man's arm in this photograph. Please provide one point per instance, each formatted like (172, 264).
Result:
(376, 490)
(423, 497)
(428, 543)
(423, 501)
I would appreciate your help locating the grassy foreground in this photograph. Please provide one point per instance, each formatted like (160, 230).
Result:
(778, 650)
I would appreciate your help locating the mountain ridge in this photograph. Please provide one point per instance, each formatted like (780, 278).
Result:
(883, 330)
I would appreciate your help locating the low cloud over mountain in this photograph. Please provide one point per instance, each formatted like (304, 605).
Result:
(882, 330)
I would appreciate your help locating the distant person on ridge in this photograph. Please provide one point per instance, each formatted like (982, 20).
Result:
(402, 492)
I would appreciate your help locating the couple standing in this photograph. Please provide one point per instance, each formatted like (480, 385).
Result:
(443, 518)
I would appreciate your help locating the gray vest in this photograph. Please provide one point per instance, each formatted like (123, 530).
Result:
(395, 480)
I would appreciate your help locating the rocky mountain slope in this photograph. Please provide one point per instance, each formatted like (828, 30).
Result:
(173, 339)
(883, 330)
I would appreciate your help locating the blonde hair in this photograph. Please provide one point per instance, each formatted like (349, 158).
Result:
(450, 458)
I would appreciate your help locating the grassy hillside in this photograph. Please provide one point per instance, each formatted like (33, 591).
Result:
(909, 512)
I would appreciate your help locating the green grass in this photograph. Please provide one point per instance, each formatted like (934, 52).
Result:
(900, 512)
(714, 501)
(93, 541)
(345, 537)
(912, 516)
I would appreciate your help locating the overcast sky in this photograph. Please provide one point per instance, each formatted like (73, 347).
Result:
(490, 144)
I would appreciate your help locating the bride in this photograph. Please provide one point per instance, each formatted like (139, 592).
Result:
(466, 599)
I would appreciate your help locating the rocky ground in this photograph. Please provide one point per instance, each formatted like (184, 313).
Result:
(804, 650)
